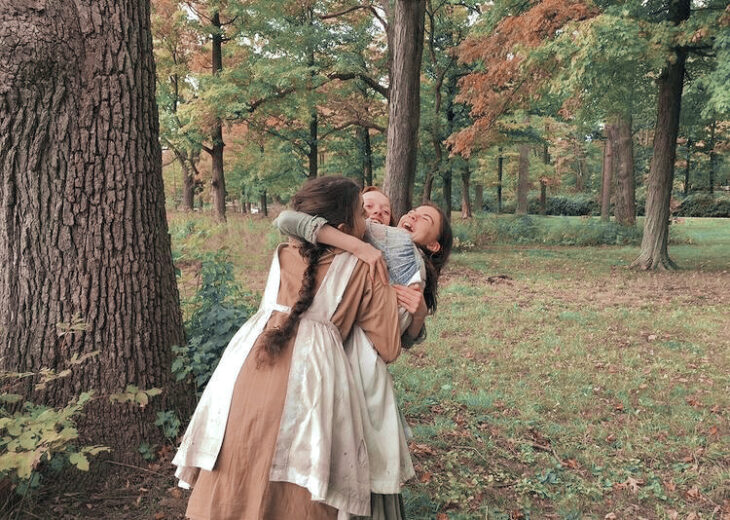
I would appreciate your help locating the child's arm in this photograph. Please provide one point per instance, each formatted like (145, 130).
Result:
(315, 230)
(411, 299)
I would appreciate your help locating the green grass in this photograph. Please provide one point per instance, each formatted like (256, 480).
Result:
(573, 389)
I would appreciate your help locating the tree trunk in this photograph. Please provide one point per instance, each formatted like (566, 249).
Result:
(543, 180)
(654, 253)
(427, 187)
(478, 197)
(367, 156)
(580, 175)
(218, 182)
(687, 166)
(404, 104)
(713, 158)
(500, 171)
(609, 154)
(523, 180)
(624, 199)
(83, 231)
(465, 202)
(188, 188)
(264, 206)
(313, 146)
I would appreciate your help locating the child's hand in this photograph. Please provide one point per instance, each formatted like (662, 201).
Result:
(374, 258)
(411, 299)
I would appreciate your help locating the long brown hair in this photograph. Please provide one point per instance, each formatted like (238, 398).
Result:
(436, 261)
(333, 198)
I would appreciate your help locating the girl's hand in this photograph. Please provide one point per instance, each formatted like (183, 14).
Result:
(411, 299)
(374, 258)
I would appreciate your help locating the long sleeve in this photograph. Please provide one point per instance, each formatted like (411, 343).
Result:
(300, 225)
(372, 306)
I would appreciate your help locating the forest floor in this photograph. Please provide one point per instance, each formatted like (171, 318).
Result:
(555, 383)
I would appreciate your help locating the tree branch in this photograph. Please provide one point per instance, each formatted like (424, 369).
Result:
(341, 13)
(377, 87)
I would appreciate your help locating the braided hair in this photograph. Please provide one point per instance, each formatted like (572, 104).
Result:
(335, 199)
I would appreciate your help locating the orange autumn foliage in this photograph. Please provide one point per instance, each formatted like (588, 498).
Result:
(507, 80)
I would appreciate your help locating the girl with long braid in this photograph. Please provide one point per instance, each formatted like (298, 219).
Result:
(278, 431)
(414, 254)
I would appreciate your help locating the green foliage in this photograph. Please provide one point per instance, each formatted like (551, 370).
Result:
(169, 422)
(37, 436)
(529, 229)
(220, 310)
(705, 205)
(134, 395)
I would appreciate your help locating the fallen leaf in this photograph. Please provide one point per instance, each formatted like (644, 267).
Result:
(442, 516)
(159, 516)
(713, 431)
(571, 463)
(672, 514)
(610, 516)
(694, 493)
(426, 477)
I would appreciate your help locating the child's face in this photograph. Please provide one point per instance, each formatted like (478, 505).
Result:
(424, 225)
(377, 207)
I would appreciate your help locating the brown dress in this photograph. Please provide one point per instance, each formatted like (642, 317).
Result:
(238, 488)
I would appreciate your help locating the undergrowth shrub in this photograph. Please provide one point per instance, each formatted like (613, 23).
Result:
(527, 229)
(220, 308)
(705, 205)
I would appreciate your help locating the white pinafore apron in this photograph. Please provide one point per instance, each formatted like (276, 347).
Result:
(320, 445)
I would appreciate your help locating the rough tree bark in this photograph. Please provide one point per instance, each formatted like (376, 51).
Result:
(523, 180)
(609, 155)
(404, 104)
(218, 181)
(624, 204)
(654, 253)
(465, 201)
(83, 231)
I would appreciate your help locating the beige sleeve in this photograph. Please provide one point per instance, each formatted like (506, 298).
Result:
(374, 308)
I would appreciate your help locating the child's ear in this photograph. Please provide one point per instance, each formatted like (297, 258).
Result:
(343, 227)
(434, 247)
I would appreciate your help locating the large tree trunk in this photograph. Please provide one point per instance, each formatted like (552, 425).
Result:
(624, 208)
(609, 156)
(404, 104)
(465, 202)
(523, 180)
(654, 253)
(83, 232)
(500, 173)
(218, 182)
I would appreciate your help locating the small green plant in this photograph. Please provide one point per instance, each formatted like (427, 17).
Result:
(220, 310)
(169, 422)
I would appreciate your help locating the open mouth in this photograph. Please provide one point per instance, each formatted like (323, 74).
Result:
(408, 227)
